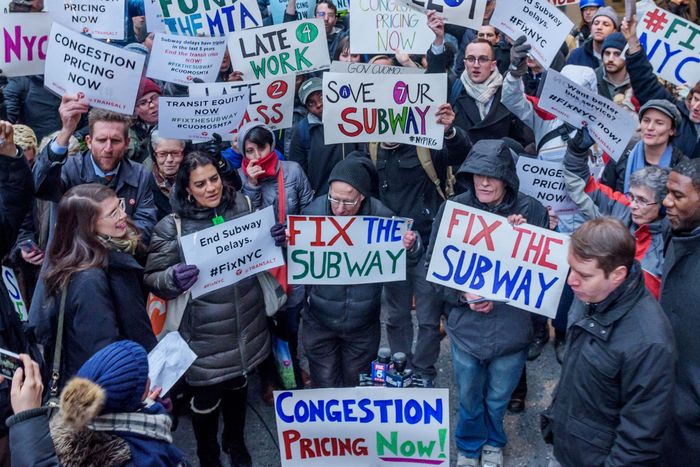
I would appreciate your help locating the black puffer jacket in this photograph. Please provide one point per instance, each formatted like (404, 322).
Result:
(226, 328)
(343, 308)
(613, 401)
(506, 329)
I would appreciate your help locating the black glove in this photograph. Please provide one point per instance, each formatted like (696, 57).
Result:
(581, 142)
(277, 232)
(518, 57)
(185, 276)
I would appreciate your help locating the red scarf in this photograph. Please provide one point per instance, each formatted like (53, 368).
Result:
(267, 163)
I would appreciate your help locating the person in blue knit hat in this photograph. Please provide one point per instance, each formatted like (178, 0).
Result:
(106, 417)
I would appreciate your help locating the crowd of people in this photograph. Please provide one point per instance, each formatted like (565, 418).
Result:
(93, 205)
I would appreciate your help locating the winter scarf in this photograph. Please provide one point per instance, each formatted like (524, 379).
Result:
(127, 244)
(267, 163)
(482, 92)
(637, 161)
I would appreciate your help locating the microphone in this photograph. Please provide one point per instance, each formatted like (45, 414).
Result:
(398, 376)
(381, 365)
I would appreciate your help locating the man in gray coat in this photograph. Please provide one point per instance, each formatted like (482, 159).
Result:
(680, 296)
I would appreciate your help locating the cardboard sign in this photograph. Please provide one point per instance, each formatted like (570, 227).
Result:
(610, 126)
(481, 253)
(401, 109)
(234, 250)
(180, 59)
(100, 19)
(373, 69)
(12, 286)
(345, 250)
(209, 17)
(544, 26)
(544, 181)
(280, 49)
(388, 27)
(468, 13)
(23, 43)
(363, 426)
(672, 44)
(269, 101)
(107, 76)
(197, 118)
(277, 8)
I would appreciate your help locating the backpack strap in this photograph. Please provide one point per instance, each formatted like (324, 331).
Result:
(457, 88)
(561, 131)
(304, 134)
(426, 161)
(373, 149)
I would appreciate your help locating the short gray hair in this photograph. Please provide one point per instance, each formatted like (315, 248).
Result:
(651, 177)
(156, 139)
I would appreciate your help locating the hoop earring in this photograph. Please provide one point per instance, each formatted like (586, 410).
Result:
(189, 198)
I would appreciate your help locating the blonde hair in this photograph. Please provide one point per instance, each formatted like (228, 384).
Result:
(73, 143)
(24, 137)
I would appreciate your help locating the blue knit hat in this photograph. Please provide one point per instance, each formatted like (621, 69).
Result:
(615, 40)
(121, 370)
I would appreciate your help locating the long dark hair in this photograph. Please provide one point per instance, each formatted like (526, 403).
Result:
(75, 246)
(192, 161)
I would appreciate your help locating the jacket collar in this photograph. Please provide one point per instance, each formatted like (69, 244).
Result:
(686, 243)
(127, 173)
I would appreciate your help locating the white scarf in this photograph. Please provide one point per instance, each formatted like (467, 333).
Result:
(482, 92)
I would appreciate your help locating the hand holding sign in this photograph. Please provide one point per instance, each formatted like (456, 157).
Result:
(629, 30)
(7, 142)
(72, 108)
(518, 57)
(436, 23)
(478, 303)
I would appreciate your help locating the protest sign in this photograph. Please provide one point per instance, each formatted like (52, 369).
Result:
(363, 426)
(209, 17)
(181, 59)
(672, 44)
(229, 252)
(528, 269)
(12, 286)
(106, 76)
(168, 361)
(388, 27)
(277, 8)
(543, 24)
(341, 5)
(24, 41)
(154, 16)
(280, 49)
(345, 249)
(544, 181)
(100, 19)
(609, 124)
(373, 69)
(468, 13)
(401, 109)
(269, 101)
(197, 118)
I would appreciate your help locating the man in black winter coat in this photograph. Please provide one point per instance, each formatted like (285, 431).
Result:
(614, 397)
(680, 296)
(16, 193)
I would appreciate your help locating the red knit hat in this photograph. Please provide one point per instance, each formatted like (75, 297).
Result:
(147, 86)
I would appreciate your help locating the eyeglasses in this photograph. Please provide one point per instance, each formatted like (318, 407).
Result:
(323, 14)
(483, 59)
(640, 201)
(345, 204)
(147, 102)
(166, 154)
(120, 209)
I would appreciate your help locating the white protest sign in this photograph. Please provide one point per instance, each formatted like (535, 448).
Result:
(363, 426)
(12, 286)
(543, 24)
(610, 125)
(209, 17)
(369, 108)
(280, 49)
(100, 19)
(154, 16)
(544, 181)
(180, 59)
(197, 118)
(23, 43)
(388, 27)
(468, 13)
(345, 250)
(277, 8)
(481, 253)
(107, 76)
(229, 252)
(341, 5)
(373, 69)
(269, 101)
(672, 44)
(168, 361)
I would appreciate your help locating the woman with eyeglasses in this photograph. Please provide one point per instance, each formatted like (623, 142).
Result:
(90, 262)
(167, 157)
(145, 120)
(227, 327)
(640, 208)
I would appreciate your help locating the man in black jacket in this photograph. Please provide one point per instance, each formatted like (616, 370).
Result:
(614, 397)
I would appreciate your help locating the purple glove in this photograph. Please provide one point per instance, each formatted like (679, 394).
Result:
(277, 232)
(185, 276)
